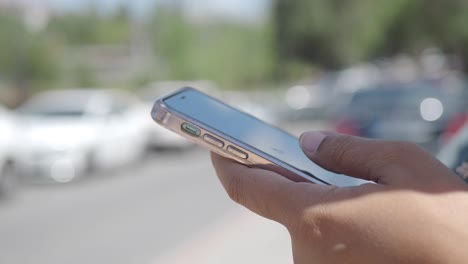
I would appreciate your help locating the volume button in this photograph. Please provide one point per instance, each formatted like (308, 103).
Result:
(237, 152)
(213, 141)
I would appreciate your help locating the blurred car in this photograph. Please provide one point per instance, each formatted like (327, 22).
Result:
(311, 101)
(411, 112)
(160, 137)
(8, 135)
(68, 133)
(455, 153)
(454, 127)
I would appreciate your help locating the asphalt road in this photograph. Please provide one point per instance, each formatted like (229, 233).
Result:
(168, 208)
(130, 215)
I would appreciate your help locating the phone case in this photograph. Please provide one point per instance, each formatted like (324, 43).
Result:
(173, 120)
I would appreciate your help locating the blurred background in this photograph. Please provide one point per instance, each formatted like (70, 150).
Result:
(87, 177)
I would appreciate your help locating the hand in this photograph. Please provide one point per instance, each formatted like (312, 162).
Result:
(463, 170)
(417, 211)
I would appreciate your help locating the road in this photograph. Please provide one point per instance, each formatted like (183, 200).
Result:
(168, 207)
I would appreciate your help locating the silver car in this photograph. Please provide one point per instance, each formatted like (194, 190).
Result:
(8, 136)
(68, 133)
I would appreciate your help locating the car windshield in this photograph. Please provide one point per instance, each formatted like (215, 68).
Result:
(375, 100)
(55, 113)
(63, 105)
(382, 100)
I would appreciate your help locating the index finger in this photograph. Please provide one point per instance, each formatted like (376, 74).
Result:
(265, 192)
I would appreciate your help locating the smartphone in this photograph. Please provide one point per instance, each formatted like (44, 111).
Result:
(237, 135)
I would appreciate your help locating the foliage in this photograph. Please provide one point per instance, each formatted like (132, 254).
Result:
(234, 55)
(92, 28)
(300, 37)
(84, 76)
(24, 56)
(336, 33)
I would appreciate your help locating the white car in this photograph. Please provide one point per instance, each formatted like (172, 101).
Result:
(67, 133)
(8, 128)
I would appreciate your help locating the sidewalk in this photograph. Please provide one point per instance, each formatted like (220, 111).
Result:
(240, 237)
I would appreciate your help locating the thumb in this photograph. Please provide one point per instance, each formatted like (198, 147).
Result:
(385, 162)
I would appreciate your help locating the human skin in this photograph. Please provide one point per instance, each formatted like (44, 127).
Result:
(417, 212)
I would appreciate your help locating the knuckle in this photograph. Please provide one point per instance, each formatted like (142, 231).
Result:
(313, 222)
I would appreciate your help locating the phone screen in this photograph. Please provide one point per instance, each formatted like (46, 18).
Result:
(253, 132)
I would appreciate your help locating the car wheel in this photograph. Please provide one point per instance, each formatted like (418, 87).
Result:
(91, 164)
(7, 180)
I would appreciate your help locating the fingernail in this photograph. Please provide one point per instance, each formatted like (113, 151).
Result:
(310, 141)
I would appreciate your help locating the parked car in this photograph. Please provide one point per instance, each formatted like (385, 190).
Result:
(454, 127)
(68, 133)
(160, 137)
(412, 112)
(8, 135)
(455, 153)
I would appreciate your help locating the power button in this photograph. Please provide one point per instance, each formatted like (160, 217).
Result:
(237, 152)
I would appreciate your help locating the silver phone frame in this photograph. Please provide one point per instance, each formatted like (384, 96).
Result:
(172, 119)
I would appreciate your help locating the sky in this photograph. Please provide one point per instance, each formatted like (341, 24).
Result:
(240, 9)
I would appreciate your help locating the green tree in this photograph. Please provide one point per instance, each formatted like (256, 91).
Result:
(422, 24)
(84, 76)
(92, 28)
(26, 58)
(234, 55)
(75, 29)
(173, 38)
(336, 33)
